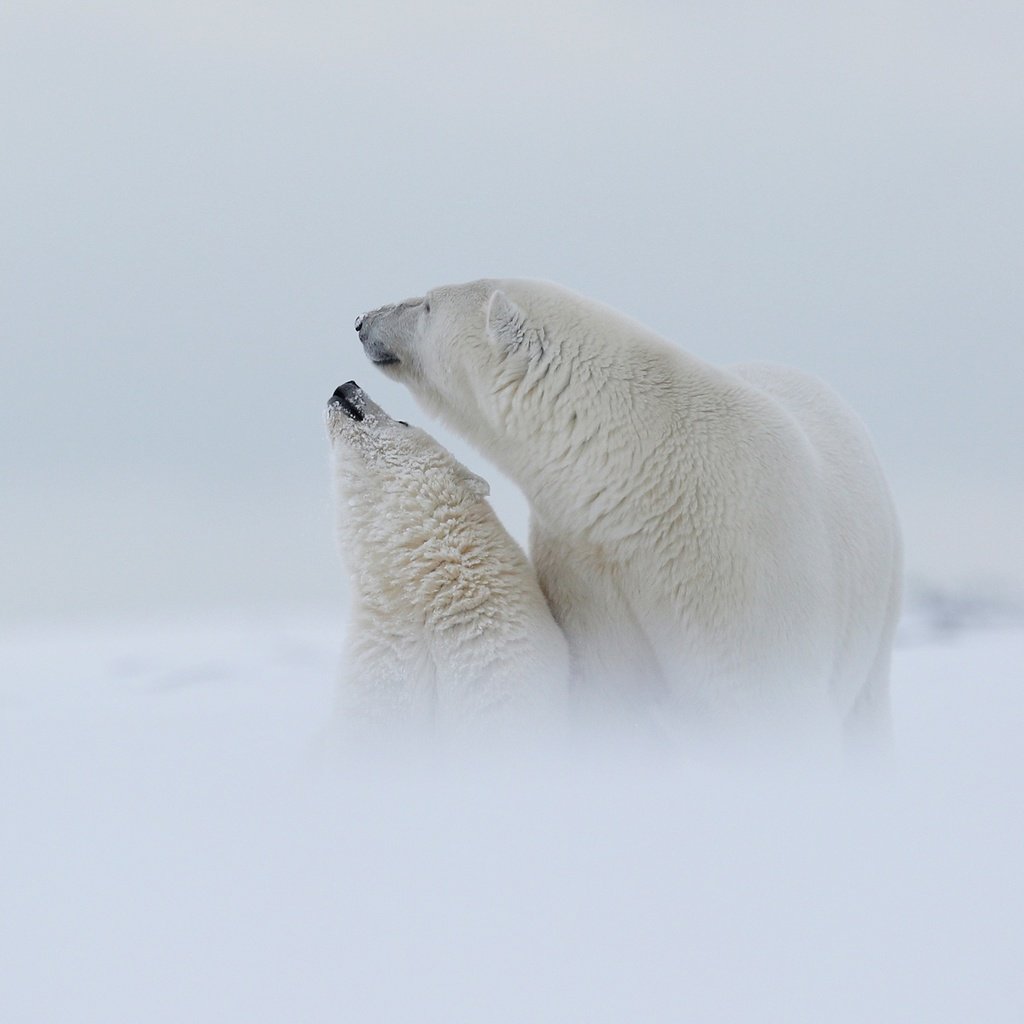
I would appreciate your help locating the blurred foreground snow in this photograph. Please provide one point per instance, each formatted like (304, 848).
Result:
(173, 852)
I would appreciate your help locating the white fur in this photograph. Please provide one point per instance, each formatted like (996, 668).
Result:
(717, 541)
(448, 627)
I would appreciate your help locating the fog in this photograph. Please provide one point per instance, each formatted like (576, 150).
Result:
(175, 850)
(196, 200)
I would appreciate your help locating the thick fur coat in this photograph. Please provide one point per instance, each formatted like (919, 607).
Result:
(448, 627)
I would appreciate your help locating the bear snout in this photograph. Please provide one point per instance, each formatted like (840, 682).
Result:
(373, 334)
(349, 397)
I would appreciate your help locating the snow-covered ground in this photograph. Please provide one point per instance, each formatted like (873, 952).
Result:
(174, 851)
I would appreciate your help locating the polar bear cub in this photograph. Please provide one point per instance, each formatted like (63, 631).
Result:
(448, 628)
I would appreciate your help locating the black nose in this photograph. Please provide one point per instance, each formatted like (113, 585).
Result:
(350, 398)
(359, 322)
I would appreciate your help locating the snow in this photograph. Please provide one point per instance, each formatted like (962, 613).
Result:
(174, 849)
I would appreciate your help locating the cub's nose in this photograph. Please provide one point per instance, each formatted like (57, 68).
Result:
(349, 398)
(360, 320)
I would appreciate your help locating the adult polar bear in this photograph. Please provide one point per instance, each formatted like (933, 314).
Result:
(720, 540)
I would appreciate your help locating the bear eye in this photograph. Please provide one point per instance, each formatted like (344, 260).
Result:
(404, 424)
(426, 305)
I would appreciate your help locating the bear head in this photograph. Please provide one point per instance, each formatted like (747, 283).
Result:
(462, 350)
(384, 456)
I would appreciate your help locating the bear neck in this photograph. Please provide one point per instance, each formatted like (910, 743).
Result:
(414, 554)
(577, 467)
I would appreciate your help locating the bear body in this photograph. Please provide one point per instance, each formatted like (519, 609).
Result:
(718, 544)
(449, 631)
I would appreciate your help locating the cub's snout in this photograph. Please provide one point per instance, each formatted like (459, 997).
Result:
(350, 399)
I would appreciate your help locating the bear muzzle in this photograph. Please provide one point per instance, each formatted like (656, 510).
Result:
(373, 345)
(349, 398)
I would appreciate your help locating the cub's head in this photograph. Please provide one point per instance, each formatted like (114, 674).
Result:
(463, 350)
(387, 458)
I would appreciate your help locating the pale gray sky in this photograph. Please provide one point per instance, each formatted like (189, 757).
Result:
(196, 198)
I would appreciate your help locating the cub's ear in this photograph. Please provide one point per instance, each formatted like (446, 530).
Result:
(508, 325)
(477, 484)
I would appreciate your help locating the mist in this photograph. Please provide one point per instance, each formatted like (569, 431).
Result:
(175, 848)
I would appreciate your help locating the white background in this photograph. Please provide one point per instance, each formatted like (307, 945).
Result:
(197, 198)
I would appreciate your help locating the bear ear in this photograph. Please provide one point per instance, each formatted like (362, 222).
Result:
(476, 484)
(507, 324)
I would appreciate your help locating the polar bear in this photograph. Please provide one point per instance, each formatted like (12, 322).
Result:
(448, 627)
(718, 544)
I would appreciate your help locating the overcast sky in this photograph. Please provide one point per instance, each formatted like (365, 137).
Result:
(197, 198)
